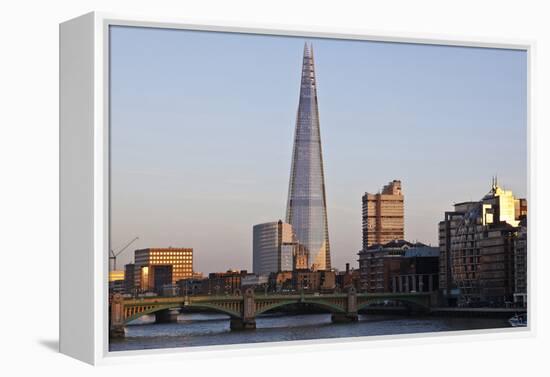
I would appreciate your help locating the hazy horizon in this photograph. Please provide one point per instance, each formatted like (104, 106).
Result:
(202, 126)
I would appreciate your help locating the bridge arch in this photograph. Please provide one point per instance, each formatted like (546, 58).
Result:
(214, 308)
(152, 310)
(210, 307)
(332, 308)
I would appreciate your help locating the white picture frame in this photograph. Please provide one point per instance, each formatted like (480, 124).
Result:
(84, 185)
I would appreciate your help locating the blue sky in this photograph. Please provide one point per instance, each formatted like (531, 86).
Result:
(202, 128)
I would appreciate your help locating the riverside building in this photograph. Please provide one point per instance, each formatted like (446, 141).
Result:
(520, 265)
(116, 281)
(399, 266)
(478, 256)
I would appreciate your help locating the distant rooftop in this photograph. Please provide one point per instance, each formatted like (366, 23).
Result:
(397, 244)
(425, 251)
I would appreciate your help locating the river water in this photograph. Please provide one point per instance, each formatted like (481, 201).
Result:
(197, 329)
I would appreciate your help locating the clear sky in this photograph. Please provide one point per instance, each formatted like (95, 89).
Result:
(202, 126)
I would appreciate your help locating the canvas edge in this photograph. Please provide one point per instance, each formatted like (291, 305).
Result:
(76, 190)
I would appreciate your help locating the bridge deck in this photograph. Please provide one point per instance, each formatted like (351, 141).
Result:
(228, 298)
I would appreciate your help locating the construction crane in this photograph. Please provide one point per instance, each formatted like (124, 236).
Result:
(114, 255)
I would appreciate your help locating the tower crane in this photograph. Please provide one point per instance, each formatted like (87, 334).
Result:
(114, 255)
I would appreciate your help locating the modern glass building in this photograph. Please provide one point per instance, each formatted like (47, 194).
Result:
(306, 206)
(272, 248)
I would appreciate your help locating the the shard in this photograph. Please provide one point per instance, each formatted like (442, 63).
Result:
(306, 206)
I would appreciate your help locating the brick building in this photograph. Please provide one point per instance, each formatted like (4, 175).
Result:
(399, 266)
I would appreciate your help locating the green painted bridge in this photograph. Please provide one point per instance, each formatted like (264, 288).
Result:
(244, 308)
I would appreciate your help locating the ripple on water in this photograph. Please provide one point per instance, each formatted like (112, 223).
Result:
(198, 329)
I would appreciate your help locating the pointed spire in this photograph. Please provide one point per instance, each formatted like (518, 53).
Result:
(306, 50)
(306, 205)
(308, 71)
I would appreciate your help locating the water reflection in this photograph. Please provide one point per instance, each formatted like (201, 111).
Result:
(198, 329)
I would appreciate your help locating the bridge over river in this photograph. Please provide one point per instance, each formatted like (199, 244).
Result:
(242, 308)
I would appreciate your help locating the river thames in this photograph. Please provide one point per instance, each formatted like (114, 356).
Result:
(197, 329)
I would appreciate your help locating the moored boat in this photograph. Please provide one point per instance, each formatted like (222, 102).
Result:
(518, 320)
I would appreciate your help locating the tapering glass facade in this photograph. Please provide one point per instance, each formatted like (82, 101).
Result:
(306, 206)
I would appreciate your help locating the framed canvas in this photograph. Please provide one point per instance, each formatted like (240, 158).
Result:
(202, 211)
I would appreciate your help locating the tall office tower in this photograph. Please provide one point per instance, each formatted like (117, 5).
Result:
(306, 207)
(273, 248)
(383, 215)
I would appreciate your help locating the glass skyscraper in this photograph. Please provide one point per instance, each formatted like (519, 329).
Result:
(306, 206)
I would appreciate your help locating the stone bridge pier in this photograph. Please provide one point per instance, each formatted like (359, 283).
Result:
(116, 322)
(247, 321)
(351, 309)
